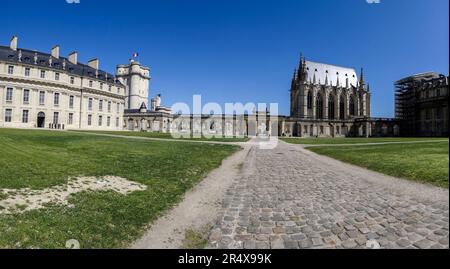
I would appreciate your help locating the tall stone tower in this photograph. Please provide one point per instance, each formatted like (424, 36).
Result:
(136, 78)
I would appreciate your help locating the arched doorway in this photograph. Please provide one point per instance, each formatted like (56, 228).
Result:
(41, 120)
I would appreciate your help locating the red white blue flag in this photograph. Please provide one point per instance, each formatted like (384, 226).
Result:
(135, 55)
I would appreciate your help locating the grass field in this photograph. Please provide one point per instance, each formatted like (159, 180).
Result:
(344, 141)
(168, 136)
(423, 162)
(42, 159)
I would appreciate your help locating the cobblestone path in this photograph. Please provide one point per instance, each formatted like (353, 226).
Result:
(292, 198)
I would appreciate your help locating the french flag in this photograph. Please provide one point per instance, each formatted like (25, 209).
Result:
(135, 55)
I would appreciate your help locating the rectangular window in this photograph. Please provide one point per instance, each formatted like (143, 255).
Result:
(72, 80)
(41, 98)
(42, 73)
(100, 105)
(118, 108)
(90, 104)
(109, 88)
(9, 94)
(71, 101)
(117, 122)
(55, 117)
(91, 84)
(101, 86)
(56, 76)
(27, 71)
(70, 121)
(109, 106)
(26, 96)
(25, 116)
(108, 121)
(100, 120)
(89, 120)
(10, 70)
(56, 99)
(8, 115)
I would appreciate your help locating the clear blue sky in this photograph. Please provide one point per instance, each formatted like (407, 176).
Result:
(241, 50)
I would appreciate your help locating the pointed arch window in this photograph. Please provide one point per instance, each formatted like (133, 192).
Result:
(319, 107)
(352, 106)
(331, 106)
(310, 100)
(342, 108)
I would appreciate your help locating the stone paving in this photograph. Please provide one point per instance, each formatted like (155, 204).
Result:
(286, 200)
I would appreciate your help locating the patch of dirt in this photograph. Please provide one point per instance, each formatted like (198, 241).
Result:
(22, 200)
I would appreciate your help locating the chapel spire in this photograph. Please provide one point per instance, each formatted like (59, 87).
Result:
(361, 79)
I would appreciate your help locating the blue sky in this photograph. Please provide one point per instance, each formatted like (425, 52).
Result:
(241, 51)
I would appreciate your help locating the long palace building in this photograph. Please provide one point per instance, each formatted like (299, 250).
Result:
(41, 90)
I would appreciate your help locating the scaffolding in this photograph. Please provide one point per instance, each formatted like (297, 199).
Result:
(408, 99)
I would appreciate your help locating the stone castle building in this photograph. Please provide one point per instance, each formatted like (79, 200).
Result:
(328, 100)
(40, 90)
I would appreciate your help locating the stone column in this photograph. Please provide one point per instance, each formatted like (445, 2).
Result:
(357, 105)
(314, 104)
(337, 107)
(305, 104)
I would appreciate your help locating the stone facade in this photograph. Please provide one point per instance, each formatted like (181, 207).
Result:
(327, 101)
(39, 90)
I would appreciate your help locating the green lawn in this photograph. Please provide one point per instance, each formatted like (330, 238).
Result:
(336, 141)
(42, 159)
(168, 136)
(423, 162)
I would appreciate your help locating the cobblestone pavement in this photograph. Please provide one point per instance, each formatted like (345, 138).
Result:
(291, 198)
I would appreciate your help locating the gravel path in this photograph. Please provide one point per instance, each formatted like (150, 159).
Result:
(292, 198)
(200, 207)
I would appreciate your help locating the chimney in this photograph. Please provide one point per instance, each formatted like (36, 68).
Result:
(55, 52)
(94, 63)
(73, 57)
(13, 45)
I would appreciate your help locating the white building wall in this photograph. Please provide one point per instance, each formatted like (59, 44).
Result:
(18, 81)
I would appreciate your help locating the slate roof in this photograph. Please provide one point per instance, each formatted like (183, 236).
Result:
(324, 72)
(43, 60)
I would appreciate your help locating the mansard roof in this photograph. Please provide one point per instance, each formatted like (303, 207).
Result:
(330, 74)
(43, 60)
